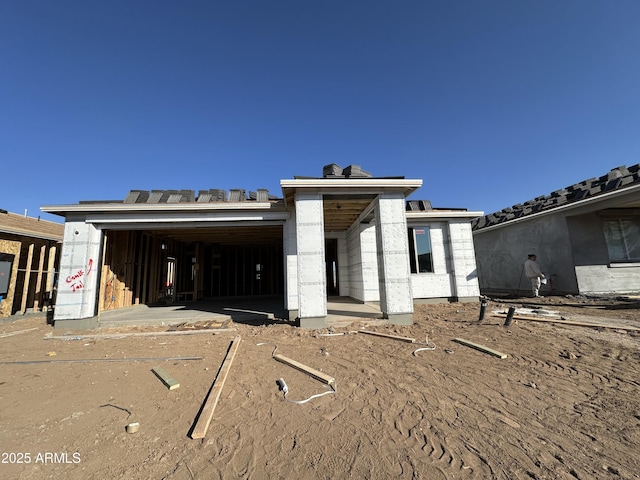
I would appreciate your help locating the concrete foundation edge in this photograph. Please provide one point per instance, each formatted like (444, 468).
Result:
(313, 322)
(76, 324)
(399, 318)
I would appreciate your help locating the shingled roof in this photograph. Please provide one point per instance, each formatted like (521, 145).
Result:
(14, 224)
(189, 196)
(617, 179)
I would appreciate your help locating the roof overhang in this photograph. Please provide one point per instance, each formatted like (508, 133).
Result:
(613, 199)
(443, 215)
(338, 186)
(31, 234)
(158, 208)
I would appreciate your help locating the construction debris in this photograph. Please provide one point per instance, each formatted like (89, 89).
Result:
(481, 348)
(213, 331)
(205, 415)
(386, 335)
(19, 332)
(308, 370)
(575, 323)
(170, 382)
(90, 360)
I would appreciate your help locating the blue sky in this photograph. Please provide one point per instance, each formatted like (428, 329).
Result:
(490, 102)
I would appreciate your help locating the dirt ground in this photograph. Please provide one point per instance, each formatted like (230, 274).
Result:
(563, 404)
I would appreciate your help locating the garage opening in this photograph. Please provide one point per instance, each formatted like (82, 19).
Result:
(175, 265)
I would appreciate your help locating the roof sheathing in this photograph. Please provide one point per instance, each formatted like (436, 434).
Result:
(617, 179)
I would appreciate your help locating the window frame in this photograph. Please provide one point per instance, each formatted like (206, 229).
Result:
(415, 263)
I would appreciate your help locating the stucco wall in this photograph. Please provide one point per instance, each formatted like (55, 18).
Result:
(501, 253)
(594, 273)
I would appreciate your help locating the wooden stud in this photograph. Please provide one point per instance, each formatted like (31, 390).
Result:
(482, 348)
(324, 378)
(51, 269)
(206, 413)
(38, 295)
(386, 335)
(170, 382)
(27, 278)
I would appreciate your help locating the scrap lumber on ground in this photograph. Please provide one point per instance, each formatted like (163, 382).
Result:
(90, 360)
(308, 370)
(573, 322)
(386, 335)
(213, 331)
(170, 382)
(481, 348)
(206, 413)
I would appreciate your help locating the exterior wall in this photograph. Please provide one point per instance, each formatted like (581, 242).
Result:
(439, 283)
(454, 264)
(501, 253)
(594, 273)
(343, 266)
(396, 299)
(312, 289)
(79, 271)
(291, 267)
(363, 263)
(465, 273)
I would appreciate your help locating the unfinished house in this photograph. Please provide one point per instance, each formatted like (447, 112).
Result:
(344, 234)
(586, 237)
(29, 254)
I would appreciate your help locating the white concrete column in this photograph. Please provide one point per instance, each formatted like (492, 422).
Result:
(290, 267)
(78, 284)
(312, 288)
(394, 276)
(465, 273)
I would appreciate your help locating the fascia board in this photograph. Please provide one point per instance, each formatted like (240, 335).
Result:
(158, 207)
(443, 215)
(182, 225)
(31, 234)
(183, 217)
(332, 183)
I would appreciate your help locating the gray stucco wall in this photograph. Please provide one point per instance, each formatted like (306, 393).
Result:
(594, 272)
(501, 253)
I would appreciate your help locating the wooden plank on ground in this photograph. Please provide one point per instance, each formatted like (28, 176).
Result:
(386, 335)
(206, 413)
(213, 331)
(167, 379)
(482, 348)
(308, 370)
(574, 323)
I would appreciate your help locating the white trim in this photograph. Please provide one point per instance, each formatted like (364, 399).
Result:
(442, 215)
(351, 183)
(159, 207)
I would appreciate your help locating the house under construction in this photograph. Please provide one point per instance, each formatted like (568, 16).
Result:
(346, 233)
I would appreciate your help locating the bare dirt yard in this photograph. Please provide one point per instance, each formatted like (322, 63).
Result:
(563, 404)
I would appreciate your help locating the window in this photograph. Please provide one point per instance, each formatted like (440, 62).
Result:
(420, 250)
(623, 239)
